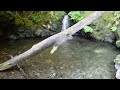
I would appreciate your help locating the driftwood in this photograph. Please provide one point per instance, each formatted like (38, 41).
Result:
(54, 40)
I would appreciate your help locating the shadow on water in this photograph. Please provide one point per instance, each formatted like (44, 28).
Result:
(76, 58)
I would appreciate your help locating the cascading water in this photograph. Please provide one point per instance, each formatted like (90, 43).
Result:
(66, 23)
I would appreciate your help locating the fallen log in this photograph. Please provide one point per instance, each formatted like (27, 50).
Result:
(54, 40)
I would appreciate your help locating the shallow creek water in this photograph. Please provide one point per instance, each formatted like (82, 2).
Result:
(77, 58)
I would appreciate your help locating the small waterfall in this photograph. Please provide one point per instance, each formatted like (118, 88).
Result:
(66, 23)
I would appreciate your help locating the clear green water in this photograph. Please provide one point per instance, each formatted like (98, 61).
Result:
(78, 58)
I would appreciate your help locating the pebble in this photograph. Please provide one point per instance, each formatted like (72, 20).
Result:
(37, 74)
(53, 75)
(13, 72)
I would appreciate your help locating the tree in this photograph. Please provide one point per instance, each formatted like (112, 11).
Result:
(54, 40)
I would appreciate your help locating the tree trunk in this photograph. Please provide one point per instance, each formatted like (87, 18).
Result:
(54, 40)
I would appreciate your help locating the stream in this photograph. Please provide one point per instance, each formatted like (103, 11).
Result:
(78, 58)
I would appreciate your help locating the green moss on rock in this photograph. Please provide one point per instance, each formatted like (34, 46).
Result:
(19, 21)
(28, 23)
(56, 19)
(103, 27)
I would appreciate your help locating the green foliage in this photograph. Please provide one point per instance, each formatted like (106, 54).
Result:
(31, 20)
(19, 21)
(88, 29)
(41, 18)
(28, 18)
(113, 19)
(28, 23)
(36, 18)
(78, 16)
(114, 28)
(75, 15)
(108, 17)
(56, 16)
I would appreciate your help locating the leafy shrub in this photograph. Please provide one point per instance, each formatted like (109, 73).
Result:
(75, 15)
(114, 28)
(78, 16)
(88, 29)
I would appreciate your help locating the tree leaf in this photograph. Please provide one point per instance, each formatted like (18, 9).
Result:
(114, 28)
(88, 29)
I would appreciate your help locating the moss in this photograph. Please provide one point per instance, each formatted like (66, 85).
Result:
(86, 13)
(102, 26)
(41, 18)
(32, 21)
(108, 17)
(57, 16)
(56, 19)
(28, 23)
(95, 22)
(19, 21)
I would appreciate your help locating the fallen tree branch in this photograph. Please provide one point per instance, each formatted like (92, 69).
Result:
(54, 40)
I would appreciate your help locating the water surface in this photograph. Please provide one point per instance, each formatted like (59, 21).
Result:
(77, 58)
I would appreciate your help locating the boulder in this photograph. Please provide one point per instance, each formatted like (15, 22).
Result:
(117, 59)
(118, 43)
(118, 74)
(117, 66)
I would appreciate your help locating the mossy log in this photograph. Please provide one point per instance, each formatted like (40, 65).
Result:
(54, 40)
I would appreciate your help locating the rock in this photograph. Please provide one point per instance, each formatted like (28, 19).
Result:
(38, 32)
(37, 74)
(117, 66)
(102, 28)
(118, 32)
(117, 59)
(118, 43)
(108, 39)
(13, 37)
(54, 26)
(118, 74)
(46, 30)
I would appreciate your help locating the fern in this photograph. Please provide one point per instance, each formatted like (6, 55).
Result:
(88, 29)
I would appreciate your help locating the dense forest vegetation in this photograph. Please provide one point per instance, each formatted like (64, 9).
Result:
(22, 24)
